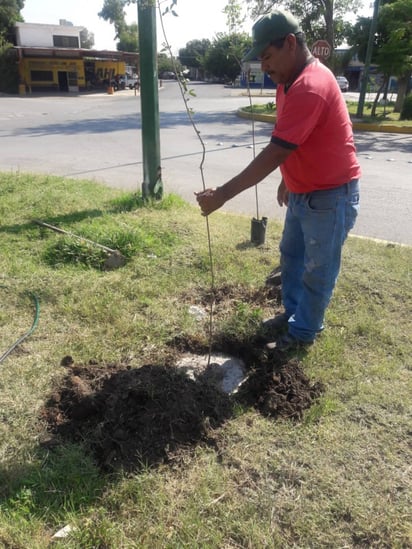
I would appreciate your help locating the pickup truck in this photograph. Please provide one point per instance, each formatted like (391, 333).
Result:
(132, 82)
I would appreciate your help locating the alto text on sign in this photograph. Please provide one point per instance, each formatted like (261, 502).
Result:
(321, 49)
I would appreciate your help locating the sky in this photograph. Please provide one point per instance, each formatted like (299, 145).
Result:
(196, 19)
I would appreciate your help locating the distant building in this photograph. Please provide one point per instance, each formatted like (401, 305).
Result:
(48, 36)
(253, 77)
(50, 57)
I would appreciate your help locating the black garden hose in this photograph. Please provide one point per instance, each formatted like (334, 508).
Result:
(29, 332)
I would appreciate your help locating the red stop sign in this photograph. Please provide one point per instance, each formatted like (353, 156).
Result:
(321, 49)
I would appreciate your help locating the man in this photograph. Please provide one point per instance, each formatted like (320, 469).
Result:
(312, 144)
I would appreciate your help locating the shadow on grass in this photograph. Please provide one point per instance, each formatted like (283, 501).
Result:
(123, 204)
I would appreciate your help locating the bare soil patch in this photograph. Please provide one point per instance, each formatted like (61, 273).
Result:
(128, 417)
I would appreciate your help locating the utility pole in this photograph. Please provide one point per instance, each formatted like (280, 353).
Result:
(365, 76)
(152, 186)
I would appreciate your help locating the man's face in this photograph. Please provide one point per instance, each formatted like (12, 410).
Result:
(280, 63)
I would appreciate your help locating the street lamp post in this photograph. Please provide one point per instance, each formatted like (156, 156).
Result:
(365, 76)
(152, 186)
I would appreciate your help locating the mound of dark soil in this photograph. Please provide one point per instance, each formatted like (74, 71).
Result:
(280, 390)
(129, 417)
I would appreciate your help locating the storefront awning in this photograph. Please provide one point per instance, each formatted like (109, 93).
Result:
(76, 53)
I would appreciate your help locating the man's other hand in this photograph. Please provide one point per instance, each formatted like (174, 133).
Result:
(283, 194)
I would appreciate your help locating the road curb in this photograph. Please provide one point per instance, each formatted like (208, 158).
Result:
(389, 243)
(359, 126)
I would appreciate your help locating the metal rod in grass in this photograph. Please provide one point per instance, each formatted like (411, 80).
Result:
(249, 94)
(253, 141)
(234, 19)
(185, 92)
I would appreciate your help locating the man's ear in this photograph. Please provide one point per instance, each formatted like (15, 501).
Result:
(291, 42)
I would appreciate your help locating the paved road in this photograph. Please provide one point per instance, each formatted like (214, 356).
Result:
(98, 137)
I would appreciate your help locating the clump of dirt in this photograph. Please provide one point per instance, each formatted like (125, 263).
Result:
(280, 390)
(129, 417)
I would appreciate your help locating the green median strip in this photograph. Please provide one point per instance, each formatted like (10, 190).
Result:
(215, 471)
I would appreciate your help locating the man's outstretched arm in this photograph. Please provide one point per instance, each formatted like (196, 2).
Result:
(265, 163)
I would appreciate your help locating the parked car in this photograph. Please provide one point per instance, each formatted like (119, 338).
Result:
(343, 83)
(167, 75)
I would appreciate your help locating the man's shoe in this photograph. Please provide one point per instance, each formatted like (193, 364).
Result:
(274, 278)
(277, 323)
(285, 343)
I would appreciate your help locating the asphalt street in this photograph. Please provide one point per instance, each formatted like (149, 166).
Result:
(98, 137)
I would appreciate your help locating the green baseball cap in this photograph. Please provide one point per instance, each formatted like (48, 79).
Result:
(268, 28)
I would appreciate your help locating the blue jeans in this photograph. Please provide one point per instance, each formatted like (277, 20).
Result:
(316, 226)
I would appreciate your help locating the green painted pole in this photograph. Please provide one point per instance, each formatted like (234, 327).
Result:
(152, 186)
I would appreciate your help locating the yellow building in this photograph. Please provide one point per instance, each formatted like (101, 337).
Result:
(49, 58)
(71, 70)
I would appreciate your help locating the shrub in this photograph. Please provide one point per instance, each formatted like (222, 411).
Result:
(8, 69)
(406, 112)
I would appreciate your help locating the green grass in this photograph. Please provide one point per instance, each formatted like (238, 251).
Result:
(338, 478)
(384, 115)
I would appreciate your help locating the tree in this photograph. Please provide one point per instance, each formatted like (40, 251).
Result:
(318, 18)
(167, 64)
(9, 15)
(359, 35)
(224, 56)
(235, 16)
(193, 55)
(395, 54)
(9, 80)
(392, 47)
(129, 38)
(113, 11)
(86, 39)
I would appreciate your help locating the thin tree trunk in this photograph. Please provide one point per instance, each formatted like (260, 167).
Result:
(403, 86)
(330, 29)
(383, 86)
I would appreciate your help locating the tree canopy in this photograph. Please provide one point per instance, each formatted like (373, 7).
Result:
(193, 54)
(86, 39)
(9, 15)
(395, 53)
(392, 46)
(320, 19)
(166, 64)
(223, 58)
(113, 11)
(235, 16)
(129, 38)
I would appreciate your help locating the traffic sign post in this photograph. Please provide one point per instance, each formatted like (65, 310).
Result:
(321, 49)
